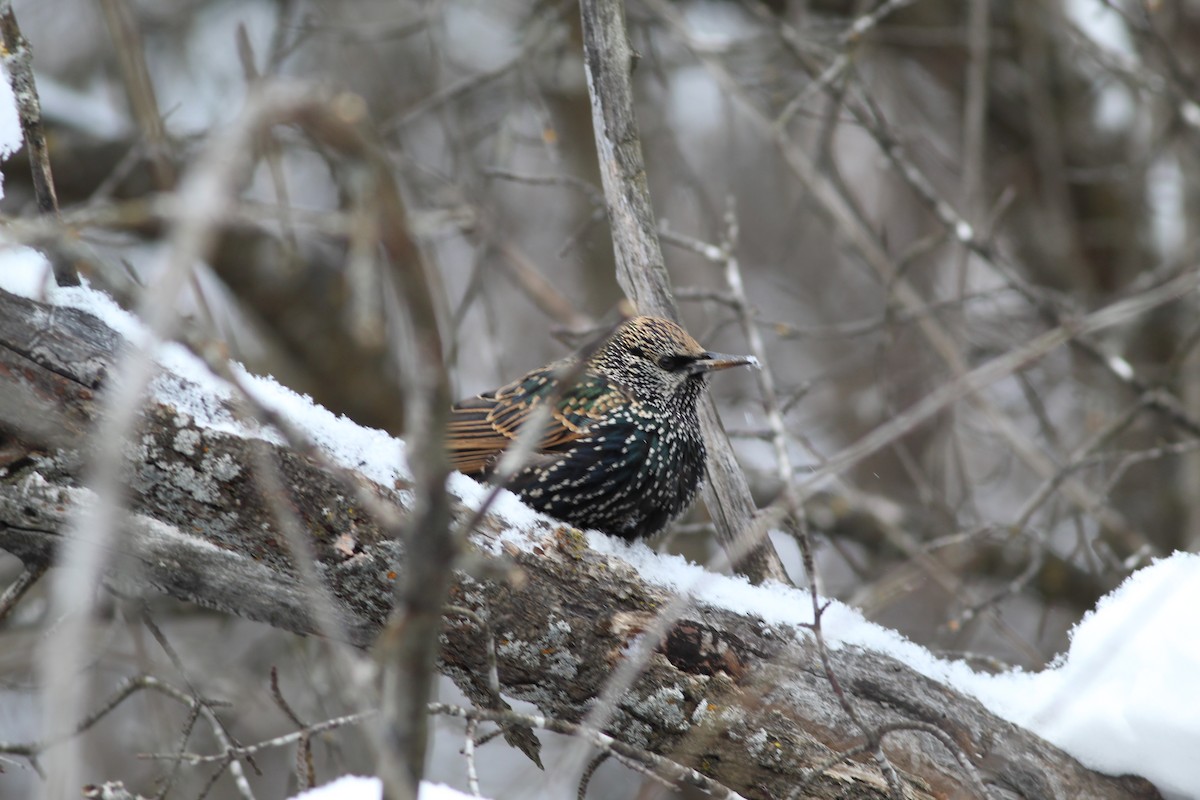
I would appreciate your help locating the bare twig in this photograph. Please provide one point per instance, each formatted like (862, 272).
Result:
(18, 62)
(545, 27)
(129, 688)
(1047, 304)
(139, 87)
(663, 767)
(220, 730)
(189, 726)
(640, 267)
(1016, 359)
(975, 118)
(469, 754)
(658, 766)
(588, 772)
(544, 294)
(17, 589)
(306, 775)
(286, 740)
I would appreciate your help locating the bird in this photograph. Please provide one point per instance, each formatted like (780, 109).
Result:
(621, 450)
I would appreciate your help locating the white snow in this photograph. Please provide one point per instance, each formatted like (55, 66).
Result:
(353, 787)
(25, 272)
(1122, 699)
(774, 604)
(440, 791)
(11, 138)
(518, 516)
(32, 267)
(372, 452)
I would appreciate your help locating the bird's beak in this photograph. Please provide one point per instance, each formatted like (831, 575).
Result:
(711, 362)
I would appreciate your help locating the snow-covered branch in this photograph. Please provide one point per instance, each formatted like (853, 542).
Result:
(734, 689)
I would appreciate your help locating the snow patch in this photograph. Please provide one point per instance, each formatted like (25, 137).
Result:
(1122, 699)
(355, 787)
(11, 138)
(25, 272)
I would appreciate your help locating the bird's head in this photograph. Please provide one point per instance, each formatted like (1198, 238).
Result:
(657, 360)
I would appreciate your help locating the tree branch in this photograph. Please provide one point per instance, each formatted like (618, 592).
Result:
(745, 703)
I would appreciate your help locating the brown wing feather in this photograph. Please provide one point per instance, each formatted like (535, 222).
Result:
(480, 428)
(472, 441)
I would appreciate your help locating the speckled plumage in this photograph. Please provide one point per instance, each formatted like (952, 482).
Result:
(623, 452)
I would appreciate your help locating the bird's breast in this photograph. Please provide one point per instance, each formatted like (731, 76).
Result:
(630, 473)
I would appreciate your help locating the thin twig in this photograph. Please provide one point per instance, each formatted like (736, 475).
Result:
(220, 730)
(139, 87)
(286, 740)
(469, 754)
(588, 772)
(17, 589)
(18, 62)
(660, 766)
(86, 550)
(1051, 307)
(130, 687)
(306, 775)
(542, 31)
(189, 727)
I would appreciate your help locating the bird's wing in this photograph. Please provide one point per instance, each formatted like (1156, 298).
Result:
(480, 428)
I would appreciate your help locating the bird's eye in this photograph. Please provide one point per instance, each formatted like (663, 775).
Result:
(672, 363)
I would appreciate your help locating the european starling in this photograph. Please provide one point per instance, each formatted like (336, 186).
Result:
(622, 450)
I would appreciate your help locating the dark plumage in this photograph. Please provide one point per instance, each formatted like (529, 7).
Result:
(622, 452)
